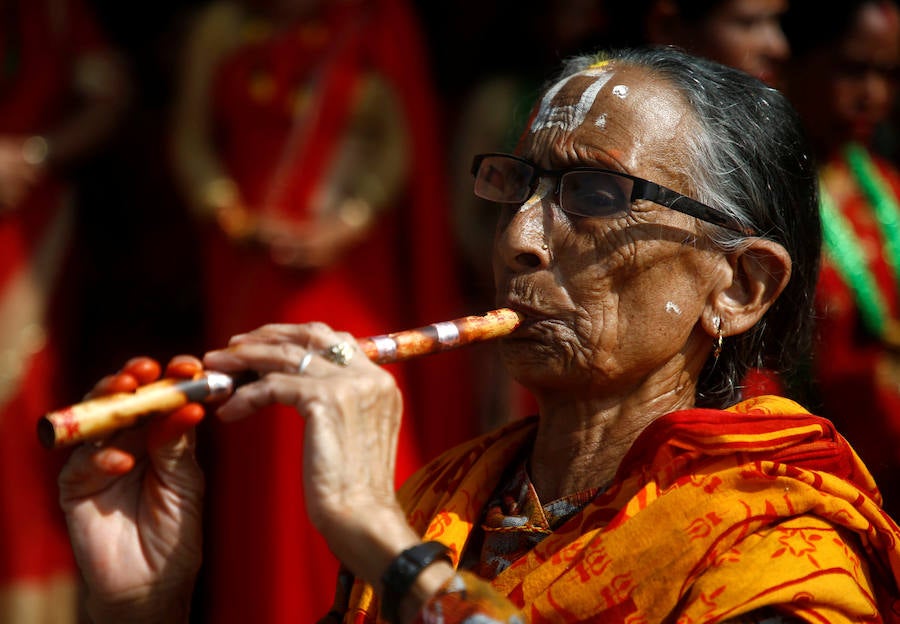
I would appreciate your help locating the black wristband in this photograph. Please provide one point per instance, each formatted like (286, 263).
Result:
(403, 572)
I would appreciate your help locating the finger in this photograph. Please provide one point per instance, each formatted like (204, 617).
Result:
(272, 333)
(90, 469)
(269, 390)
(144, 369)
(184, 367)
(136, 372)
(170, 427)
(113, 461)
(115, 455)
(278, 348)
(278, 356)
(113, 384)
(258, 357)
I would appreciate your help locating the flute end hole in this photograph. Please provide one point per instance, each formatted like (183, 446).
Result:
(46, 433)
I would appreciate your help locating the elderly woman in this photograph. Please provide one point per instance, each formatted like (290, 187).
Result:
(659, 233)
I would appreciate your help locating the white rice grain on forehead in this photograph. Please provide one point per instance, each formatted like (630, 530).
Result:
(570, 116)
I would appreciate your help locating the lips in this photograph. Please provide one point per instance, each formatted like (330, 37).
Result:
(531, 315)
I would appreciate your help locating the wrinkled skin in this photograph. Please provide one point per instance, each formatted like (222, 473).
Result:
(621, 316)
(133, 506)
(622, 311)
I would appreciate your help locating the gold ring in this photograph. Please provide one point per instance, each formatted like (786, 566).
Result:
(340, 353)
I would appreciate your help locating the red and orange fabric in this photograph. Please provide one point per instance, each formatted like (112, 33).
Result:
(713, 514)
(282, 107)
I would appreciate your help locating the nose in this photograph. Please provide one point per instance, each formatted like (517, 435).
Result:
(522, 242)
(776, 43)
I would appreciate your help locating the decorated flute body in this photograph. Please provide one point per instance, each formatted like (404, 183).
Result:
(99, 417)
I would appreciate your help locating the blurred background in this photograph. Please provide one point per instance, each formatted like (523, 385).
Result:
(141, 271)
(140, 144)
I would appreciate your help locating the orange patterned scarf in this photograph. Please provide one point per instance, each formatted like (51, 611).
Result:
(712, 514)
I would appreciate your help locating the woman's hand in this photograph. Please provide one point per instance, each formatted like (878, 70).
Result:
(352, 415)
(133, 508)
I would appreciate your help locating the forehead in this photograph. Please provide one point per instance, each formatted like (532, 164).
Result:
(620, 116)
(751, 10)
(875, 33)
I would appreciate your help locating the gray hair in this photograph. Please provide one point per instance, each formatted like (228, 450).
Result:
(750, 160)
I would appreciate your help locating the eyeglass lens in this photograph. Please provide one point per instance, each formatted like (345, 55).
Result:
(584, 193)
(594, 194)
(503, 180)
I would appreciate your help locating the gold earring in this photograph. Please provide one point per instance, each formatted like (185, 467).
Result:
(717, 343)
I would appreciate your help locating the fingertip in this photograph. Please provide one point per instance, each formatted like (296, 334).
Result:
(222, 359)
(145, 369)
(237, 339)
(113, 384)
(113, 461)
(171, 427)
(225, 414)
(189, 415)
(184, 367)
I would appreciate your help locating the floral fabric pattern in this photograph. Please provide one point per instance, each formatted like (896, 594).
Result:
(713, 514)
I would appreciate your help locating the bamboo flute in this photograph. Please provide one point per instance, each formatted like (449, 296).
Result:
(99, 417)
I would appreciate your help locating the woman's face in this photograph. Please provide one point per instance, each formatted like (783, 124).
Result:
(610, 302)
(863, 77)
(842, 91)
(745, 34)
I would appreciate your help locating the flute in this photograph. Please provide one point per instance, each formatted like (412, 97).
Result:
(101, 416)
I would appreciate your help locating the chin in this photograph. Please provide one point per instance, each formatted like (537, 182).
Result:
(526, 358)
(535, 365)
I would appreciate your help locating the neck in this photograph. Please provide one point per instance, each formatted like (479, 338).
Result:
(580, 443)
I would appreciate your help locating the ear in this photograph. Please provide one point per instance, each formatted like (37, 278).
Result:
(758, 274)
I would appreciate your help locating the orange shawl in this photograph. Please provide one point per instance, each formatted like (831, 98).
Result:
(712, 514)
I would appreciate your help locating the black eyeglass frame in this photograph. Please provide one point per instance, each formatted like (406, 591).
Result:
(641, 189)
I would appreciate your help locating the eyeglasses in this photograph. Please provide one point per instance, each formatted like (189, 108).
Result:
(585, 191)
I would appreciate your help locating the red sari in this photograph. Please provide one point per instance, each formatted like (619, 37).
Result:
(37, 571)
(264, 560)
